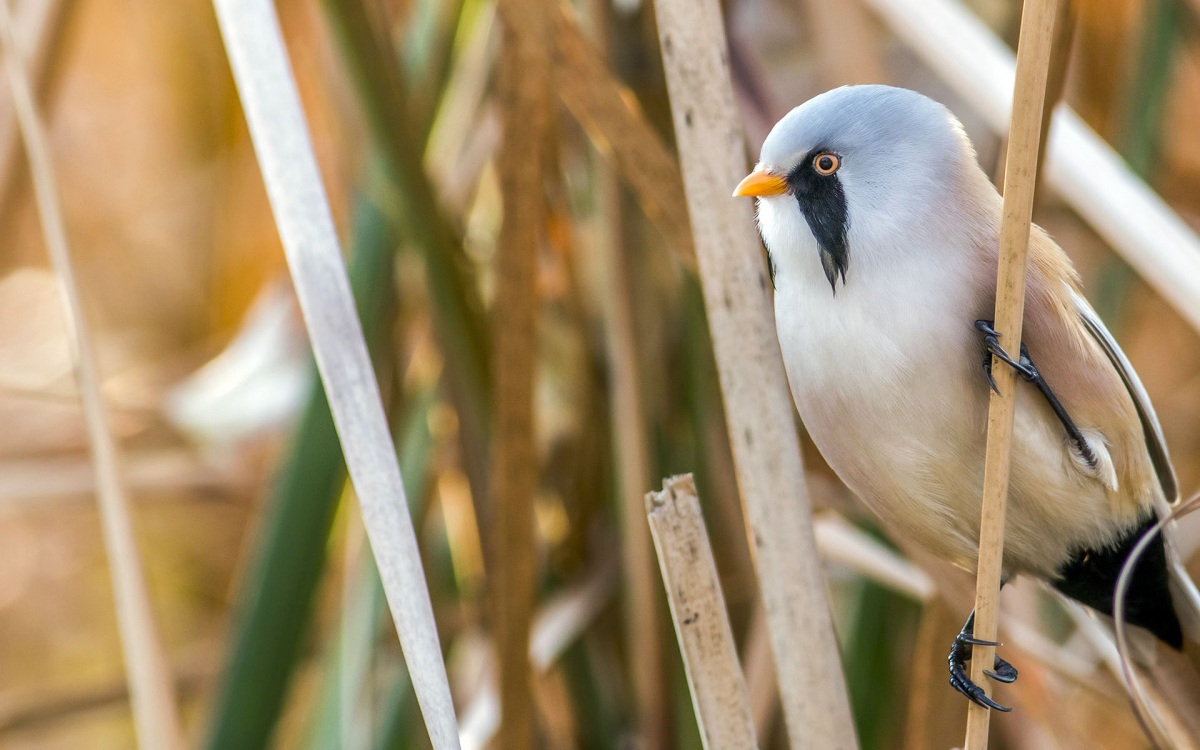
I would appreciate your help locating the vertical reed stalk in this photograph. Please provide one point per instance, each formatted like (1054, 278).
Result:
(524, 93)
(155, 714)
(1056, 81)
(759, 410)
(1020, 181)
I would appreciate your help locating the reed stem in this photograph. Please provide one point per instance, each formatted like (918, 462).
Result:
(1020, 181)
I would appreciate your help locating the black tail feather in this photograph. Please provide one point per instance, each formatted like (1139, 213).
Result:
(1091, 578)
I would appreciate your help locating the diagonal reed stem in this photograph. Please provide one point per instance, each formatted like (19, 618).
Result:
(758, 406)
(38, 24)
(154, 711)
(282, 577)
(267, 88)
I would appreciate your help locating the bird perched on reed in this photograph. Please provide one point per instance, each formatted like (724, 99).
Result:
(882, 233)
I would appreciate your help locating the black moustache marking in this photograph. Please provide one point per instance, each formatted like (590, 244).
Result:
(823, 203)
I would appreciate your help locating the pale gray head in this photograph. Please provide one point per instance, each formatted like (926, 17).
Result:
(861, 164)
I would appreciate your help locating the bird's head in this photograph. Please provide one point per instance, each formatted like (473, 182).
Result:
(854, 169)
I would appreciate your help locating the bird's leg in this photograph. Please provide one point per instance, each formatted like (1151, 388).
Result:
(1029, 372)
(960, 654)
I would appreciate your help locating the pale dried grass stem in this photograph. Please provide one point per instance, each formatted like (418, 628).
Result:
(840, 542)
(155, 714)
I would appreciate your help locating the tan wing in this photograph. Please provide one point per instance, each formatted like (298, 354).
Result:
(1095, 384)
(1108, 403)
(1155, 444)
(1184, 593)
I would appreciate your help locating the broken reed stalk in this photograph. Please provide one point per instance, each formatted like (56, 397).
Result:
(279, 132)
(758, 406)
(155, 714)
(1020, 180)
(701, 621)
(524, 97)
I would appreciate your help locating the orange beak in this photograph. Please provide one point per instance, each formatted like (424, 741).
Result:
(760, 183)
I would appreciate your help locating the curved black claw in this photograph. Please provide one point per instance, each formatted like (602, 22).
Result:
(991, 341)
(1003, 672)
(960, 680)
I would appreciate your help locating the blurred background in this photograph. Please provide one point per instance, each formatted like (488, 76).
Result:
(262, 584)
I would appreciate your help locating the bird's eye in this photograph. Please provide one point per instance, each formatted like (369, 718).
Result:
(826, 164)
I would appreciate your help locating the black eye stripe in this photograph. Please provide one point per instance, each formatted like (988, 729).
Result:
(819, 193)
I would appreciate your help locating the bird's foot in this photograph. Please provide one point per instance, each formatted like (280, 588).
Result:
(991, 341)
(960, 679)
(1027, 370)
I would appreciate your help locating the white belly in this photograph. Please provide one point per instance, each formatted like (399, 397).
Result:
(883, 400)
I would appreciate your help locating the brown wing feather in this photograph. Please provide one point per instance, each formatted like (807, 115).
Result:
(1092, 378)
(1156, 444)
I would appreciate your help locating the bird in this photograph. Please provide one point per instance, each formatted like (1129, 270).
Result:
(882, 234)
